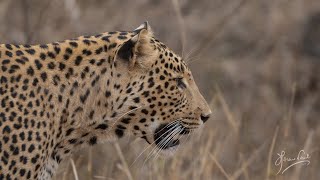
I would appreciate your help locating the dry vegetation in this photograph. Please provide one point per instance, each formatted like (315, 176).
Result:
(257, 63)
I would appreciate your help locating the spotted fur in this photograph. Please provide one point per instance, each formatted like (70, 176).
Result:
(57, 97)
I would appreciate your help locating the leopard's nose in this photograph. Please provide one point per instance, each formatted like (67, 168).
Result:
(204, 118)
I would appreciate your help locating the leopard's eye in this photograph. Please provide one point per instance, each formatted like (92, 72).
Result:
(180, 83)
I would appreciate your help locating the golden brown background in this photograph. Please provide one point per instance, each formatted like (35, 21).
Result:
(257, 62)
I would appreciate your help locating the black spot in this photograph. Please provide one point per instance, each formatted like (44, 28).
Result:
(43, 76)
(6, 61)
(129, 90)
(153, 113)
(144, 111)
(146, 93)
(92, 61)
(101, 62)
(8, 53)
(66, 57)
(126, 120)
(114, 114)
(51, 65)
(122, 37)
(73, 44)
(91, 114)
(106, 38)
(22, 137)
(86, 41)
(20, 61)
(162, 77)
(119, 133)
(8, 46)
(30, 71)
(72, 141)
(108, 94)
(30, 51)
(43, 56)
(61, 66)
(102, 126)
(6, 129)
(38, 64)
(69, 131)
(57, 49)
(14, 150)
(69, 51)
(43, 46)
(19, 53)
(84, 97)
(13, 68)
(136, 100)
(31, 148)
(99, 50)
(166, 84)
(22, 172)
(60, 98)
(86, 52)
(51, 55)
(93, 140)
(35, 81)
(78, 60)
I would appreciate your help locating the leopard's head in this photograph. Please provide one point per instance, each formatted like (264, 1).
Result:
(165, 101)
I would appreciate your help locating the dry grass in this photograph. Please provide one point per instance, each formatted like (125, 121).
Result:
(257, 61)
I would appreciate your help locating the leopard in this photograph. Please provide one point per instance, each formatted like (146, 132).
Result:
(56, 98)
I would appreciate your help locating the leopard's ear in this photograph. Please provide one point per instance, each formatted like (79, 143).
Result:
(145, 26)
(137, 50)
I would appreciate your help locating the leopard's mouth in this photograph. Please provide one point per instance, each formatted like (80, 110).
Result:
(168, 135)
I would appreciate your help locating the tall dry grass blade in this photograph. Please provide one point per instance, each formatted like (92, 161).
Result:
(101, 177)
(289, 115)
(74, 169)
(306, 148)
(245, 172)
(72, 7)
(26, 20)
(66, 172)
(123, 161)
(89, 166)
(238, 173)
(275, 135)
(205, 150)
(219, 166)
(217, 29)
(227, 110)
(42, 18)
(177, 10)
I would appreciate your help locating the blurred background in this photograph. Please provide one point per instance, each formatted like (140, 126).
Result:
(257, 62)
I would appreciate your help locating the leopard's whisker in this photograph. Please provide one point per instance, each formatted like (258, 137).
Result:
(169, 139)
(150, 145)
(164, 143)
(165, 137)
(160, 143)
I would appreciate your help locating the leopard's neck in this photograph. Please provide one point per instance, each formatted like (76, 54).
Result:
(85, 94)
